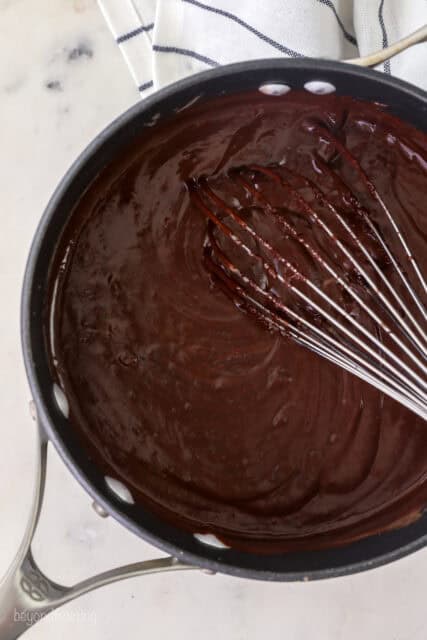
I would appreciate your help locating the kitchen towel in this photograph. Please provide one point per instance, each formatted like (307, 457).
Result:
(165, 40)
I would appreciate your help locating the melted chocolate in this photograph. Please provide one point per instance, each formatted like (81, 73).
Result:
(213, 422)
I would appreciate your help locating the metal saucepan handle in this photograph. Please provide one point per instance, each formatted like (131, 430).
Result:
(27, 594)
(371, 60)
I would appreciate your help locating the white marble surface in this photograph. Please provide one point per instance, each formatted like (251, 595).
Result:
(41, 132)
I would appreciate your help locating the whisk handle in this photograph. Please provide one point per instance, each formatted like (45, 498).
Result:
(371, 60)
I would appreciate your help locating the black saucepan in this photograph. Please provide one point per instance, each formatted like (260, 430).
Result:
(405, 101)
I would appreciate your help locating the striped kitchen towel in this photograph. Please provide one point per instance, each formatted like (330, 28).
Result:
(165, 40)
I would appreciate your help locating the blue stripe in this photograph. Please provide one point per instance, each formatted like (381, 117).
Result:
(145, 85)
(135, 32)
(242, 23)
(186, 52)
(348, 36)
(387, 67)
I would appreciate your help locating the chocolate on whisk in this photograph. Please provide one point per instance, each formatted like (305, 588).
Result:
(285, 252)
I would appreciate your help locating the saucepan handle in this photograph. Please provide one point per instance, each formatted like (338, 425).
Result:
(27, 594)
(371, 60)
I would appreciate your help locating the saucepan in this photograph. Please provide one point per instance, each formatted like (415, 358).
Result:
(26, 593)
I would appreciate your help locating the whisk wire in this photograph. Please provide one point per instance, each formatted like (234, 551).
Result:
(340, 338)
(354, 364)
(322, 295)
(374, 193)
(357, 265)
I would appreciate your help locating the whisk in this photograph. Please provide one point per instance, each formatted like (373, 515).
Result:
(329, 276)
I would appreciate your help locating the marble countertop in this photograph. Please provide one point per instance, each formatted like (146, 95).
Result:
(62, 79)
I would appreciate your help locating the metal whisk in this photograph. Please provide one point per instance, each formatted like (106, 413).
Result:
(325, 275)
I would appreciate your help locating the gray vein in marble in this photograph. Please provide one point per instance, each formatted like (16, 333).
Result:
(54, 85)
(82, 50)
(14, 85)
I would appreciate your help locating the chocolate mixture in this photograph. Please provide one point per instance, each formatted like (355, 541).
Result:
(211, 420)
